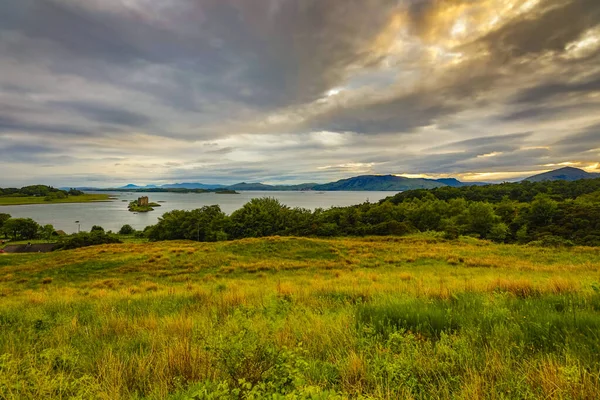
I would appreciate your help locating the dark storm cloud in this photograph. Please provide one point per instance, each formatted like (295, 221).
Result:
(550, 27)
(548, 91)
(263, 53)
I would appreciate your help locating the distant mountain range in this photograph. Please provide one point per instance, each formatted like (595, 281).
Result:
(175, 186)
(357, 183)
(563, 174)
(367, 183)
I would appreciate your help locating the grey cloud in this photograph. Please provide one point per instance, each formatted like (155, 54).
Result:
(487, 141)
(287, 56)
(584, 140)
(541, 93)
(224, 150)
(545, 112)
(26, 152)
(10, 124)
(104, 113)
(555, 23)
(401, 114)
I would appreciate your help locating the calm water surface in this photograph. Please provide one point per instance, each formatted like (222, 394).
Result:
(114, 214)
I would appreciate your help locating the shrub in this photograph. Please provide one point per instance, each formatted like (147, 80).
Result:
(259, 217)
(85, 239)
(499, 232)
(205, 224)
(126, 230)
(393, 228)
(97, 228)
(552, 241)
(55, 196)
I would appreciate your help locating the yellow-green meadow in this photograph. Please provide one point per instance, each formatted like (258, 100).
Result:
(298, 318)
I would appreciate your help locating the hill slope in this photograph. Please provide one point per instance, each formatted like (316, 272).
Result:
(562, 174)
(380, 182)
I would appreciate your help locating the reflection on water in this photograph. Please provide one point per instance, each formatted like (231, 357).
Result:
(114, 214)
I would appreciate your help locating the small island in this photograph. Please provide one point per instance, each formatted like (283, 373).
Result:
(142, 205)
(225, 191)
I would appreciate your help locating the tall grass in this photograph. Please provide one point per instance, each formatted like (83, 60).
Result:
(354, 318)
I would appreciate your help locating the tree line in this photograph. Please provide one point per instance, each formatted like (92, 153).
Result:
(547, 213)
(552, 213)
(47, 192)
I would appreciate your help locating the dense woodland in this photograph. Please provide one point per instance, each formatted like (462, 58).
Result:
(547, 213)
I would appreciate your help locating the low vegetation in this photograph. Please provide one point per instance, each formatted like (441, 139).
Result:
(373, 318)
(85, 239)
(41, 194)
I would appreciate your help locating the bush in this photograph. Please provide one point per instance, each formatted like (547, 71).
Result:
(499, 232)
(552, 241)
(85, 239)
(205, 225)
(75, 192)
(126, 230)
(393, 228)
(258, 218)
(97, 228)
(55, 196)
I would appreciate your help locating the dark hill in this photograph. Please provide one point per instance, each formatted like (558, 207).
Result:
(380, 182)
(563, 174)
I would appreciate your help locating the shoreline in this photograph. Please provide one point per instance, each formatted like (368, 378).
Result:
(27, 201)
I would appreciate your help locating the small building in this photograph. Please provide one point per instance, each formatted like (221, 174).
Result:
(142, 201)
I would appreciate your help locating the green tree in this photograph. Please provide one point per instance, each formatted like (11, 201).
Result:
(97, 228)
(3, 219)
(259, 217)
(206, 224)
(74, 192)
(126, 230)
(499, 232)
(47, 231)
(481, 218)
(542, 211)
(506, 210)
(21, 228)
(523, 235)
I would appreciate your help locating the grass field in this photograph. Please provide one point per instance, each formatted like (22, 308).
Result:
(85, 198)
(382, 318)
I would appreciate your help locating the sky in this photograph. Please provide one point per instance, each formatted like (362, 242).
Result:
(109, 92)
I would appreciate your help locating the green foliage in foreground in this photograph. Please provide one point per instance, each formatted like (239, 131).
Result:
(297, 318)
